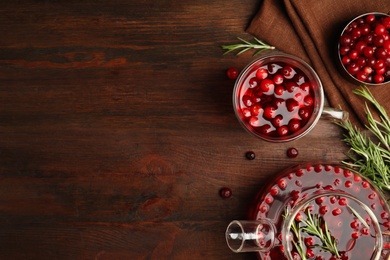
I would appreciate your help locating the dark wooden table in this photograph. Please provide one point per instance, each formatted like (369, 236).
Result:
(117, 130)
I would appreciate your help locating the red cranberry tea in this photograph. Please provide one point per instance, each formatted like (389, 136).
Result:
(348, 225)
(276, 98)
(364, 48)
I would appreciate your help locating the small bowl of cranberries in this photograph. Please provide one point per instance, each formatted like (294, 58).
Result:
(364, 49)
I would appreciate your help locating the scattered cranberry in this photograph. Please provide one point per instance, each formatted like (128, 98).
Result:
(232, 73)
(292, 152)
(250, 155)
(364, 47)
(225, 192)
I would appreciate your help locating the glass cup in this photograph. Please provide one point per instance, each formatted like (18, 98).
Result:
(326, 225)
(279, 98)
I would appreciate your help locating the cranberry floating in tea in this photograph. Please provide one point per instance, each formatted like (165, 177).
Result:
(315, 211)
(364, 49)
(278, 97)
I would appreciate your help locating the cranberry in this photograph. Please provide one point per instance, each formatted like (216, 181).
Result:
(353, 68)
(309, 241)
(355, 235)
(292, 152)
(378, 78)
(253, 82)
(255, 110)
(250, 155)
(361, 75)
(283, 130)
(348, 184)
(304, 113)
(298, 217)
(282, 184)
(343, 201)
(247, 100)
(277, 121)
(294, 125)
(355, 224)
(380, 29)
(323, 210)
(337, 211)
(269, 112)
(279, 90)
(263, 208)
(274, 191)
(232, 73)
(353, 55)
(310, 253)
(288, 72)
(348, 173)
(320, 200)
(365, 231)
(254, 121)
(267, 85)
(278, 79)
(308, 101)
(345, 40)
(291, 104)
(344, 50)
(370, 18)
(225, 192)
(345, 60)
(261, 73)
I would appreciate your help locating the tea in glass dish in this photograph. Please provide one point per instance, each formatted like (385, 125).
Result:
(343, 205)
(279, 97)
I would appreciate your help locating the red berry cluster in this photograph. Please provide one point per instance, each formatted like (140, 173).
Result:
(365, 48)
(276, 100)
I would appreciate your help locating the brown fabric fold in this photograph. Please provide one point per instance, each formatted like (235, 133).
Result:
(310, 29)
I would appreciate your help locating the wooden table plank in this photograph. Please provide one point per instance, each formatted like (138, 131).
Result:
(117, 130)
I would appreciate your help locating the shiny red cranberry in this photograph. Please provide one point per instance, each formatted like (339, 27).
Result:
(225, 192)
(232, 73)
(292, 152)
(250, 155)
(262, 73)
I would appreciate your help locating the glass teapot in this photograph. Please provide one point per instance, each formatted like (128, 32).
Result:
(315, 211)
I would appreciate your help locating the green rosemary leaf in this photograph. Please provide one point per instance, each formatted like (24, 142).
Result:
(246, 45)
(354, 212)
(370, 156)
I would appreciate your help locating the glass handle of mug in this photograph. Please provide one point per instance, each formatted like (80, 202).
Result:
(250, 235)
(334, 114)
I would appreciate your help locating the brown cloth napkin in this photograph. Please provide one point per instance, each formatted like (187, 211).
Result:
(310, 29)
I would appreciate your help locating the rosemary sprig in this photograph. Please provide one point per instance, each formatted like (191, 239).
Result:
(371, 158)
(316, 226)
(246, 46)
(313, 226)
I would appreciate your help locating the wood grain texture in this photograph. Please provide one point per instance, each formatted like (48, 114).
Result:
(117, 130)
